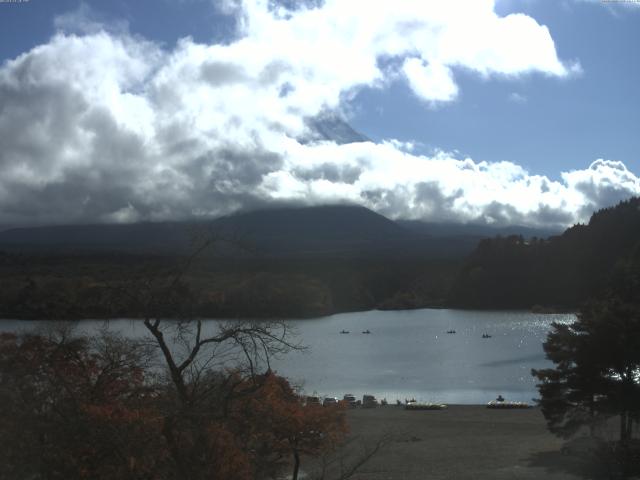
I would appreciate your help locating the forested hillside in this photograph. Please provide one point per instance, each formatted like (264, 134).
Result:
(558, 273)
(280, 262)
(314, 261)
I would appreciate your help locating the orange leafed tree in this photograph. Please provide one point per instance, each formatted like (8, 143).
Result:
(276, 420)
(76, 410)
(80, 409)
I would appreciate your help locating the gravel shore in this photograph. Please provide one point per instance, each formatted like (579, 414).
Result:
(461, 442)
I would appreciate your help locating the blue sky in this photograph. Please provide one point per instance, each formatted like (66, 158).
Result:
(548, 127)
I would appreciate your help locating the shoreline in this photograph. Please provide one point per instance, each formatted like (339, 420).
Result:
(304, 318)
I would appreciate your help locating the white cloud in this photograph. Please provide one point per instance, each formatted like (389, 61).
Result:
(85, 20)
(516, 97)
(613, 3)
(109, 127)
(605, 182)
(446, 187)
(432, 81)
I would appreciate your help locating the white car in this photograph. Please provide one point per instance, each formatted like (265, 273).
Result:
(329, 401)
(369, 401)
(350, 400)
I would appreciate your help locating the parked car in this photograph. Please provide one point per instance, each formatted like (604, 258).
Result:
(313, 401)
(350, 400)
(369, 401)
(330, 401)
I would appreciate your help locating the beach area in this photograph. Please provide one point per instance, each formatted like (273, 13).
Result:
(460, 442)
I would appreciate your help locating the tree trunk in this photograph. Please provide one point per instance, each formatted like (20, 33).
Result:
(174, 371)
(623, 427)
(174, 449)
(296, 465)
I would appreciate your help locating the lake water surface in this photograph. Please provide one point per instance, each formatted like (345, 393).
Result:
(408, 353)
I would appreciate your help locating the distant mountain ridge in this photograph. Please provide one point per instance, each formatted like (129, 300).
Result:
(312, 261)
(331, 127)
(286, 231)
(450, 229)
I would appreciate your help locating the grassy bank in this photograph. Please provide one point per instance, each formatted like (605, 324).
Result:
(462, 442)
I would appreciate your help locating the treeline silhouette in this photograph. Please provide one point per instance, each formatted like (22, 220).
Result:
(37, 286)
(305, 268)
(555, 274)
(286, 262)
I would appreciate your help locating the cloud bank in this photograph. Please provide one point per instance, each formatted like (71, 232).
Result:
(100, 125)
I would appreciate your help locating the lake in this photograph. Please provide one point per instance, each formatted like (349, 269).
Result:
(408, 354)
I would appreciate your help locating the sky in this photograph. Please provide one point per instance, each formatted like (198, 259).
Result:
(475, 111)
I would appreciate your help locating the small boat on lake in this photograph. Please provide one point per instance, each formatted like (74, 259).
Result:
(425, 406)
(486, 335)
(451, 331)
(506, 405)
(366, 331)
(344, 331)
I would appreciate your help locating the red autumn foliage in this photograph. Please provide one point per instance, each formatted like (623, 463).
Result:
(73, 410)
(76, 408)
(280, 427)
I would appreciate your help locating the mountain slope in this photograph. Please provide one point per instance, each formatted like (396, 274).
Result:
(479, 231)
(563, 271)
(148, 237)
(321, 231)
(331, 127)
(279, 231)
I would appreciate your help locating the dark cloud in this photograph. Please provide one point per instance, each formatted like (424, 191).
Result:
(388, 202)
(62, 161)
(65, 160)
(548, 217)
(217, 74)
(544, 186)
(272, 73)
(601, 195)
(497, 213)
(331, 172)
(35, 122)
(433, 202)
(501, 214)
(295, 4)
(106, 127)
(603, 192)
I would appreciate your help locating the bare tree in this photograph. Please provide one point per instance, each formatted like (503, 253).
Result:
(208, 363)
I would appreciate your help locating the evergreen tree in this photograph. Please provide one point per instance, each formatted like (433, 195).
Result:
(597, 369)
